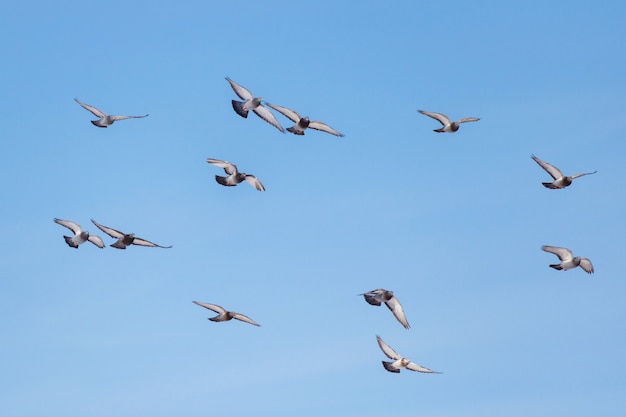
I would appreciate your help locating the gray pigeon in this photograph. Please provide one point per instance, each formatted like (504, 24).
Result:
(252, 103)
(568, 260)
(105, 119)
(224, 315)
(234, 176)
(447, 125)
(80, 236)
(302, 123)
(560, 181)
(124, 240)
(378, 296)
(400, 362)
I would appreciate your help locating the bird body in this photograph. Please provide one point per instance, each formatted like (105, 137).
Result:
(105, 119)
(80, 236)
(560, 180)
(447, 125)
(568, 260)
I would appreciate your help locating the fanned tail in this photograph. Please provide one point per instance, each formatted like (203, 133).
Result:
(238, 107)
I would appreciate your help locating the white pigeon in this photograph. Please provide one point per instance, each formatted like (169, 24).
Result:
(400, 362)
(378, 296)
(105, 119)
(234, 176)
(224, 315)
(560, 180)
(252, 103)
(447, 125)
(124, 240)
(302, 123)
(568, 260)
(80, 236)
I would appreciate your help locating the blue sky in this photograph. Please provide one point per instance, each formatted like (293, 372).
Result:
(453, 223)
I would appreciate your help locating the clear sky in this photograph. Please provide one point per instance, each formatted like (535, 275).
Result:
(452, 223)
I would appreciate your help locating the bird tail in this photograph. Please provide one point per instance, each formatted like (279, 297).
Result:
(388, 366)
(558, 267)
(69, 242)
(371, 300)
(118, 245)
(440, 130)
(96, 123)
(238, 107)
(222, 180)
(294, 131)
(549, 185)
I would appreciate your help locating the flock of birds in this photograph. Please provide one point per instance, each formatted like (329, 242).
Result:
(375, 297)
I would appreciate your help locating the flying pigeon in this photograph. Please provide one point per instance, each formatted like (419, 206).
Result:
(224, 315)
(105, 119)
(560, 181)
(234, 176)
(301, 123)
(252, 103)
(124, 239)
(568, 260)
(379, 296)
(448, 126)
(80, 235)
(398, 361)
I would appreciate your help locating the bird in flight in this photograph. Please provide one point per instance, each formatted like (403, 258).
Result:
(447, 125)
(234, 176)
(302, 123)
(80, 236)
(400, 362)
(560, 180)
(105, 119)
(379, 296)
(252, 103)
(568, 260)
(225, 315)
(124, 240)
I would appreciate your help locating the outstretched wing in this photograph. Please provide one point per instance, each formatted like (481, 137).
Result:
(127, 117)
(267, 115)
(441, 118)
(586, 265)
(96, 112)
(581, 175)
(564, 254)
(229, 167)
(550, 169)
(292, 115)
(245, 318)
(212, 307)
(253, 181)
(241, 91)
(324, 128)
(143, 242)
(96, 240)
(469, 119)
(396, 308)
(387, 350)
(74, 227)
(419, 368)
(111, 232)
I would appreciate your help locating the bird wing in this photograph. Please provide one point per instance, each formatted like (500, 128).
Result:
(469, 119)
(441, 118)
(387, 350)
(267, 115)
(586, 265)
(74, 227)
(253, 181)
(245, 318)
(96, 240)
(143, 242)
(550, 169)
(127, 117)
(419, 368)
(396, 308)
(581, 175)
(212, 307)
(92, 109)
(229, 167)
(564, 254)
(241, 91)
(292, 115)
(324, 128)
(111, 232)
